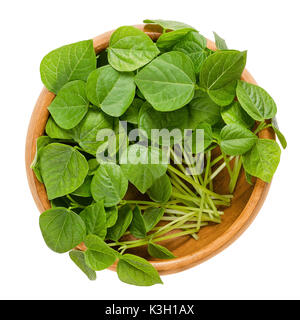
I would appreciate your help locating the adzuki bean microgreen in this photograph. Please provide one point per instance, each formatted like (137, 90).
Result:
(173, 83)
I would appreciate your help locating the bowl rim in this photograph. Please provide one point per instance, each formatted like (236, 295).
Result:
(242, 222)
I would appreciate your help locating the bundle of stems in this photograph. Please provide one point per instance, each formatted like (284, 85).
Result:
(193, 202)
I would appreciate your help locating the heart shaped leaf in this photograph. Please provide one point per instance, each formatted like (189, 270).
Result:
(110, 90)
(262, 160)
(161, 189)
(99, 255)
(85, 134)
(62, 229)
(70, 105)
(71, 62)
(63, 169)
(193, 45)
(139, 170)
(130, 49)
(236, 140)
(168, 82)
(221, 68)
(255, 101)
(109, 183)
(137, 271)
(94, 217)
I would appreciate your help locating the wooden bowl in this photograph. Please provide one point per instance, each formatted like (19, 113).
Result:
(246, 203)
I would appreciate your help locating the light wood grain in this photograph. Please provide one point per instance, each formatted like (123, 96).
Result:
(245, 206)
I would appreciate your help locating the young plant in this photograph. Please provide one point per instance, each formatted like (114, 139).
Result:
(173, 83)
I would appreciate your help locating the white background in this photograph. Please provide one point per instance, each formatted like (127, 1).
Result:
(264, 262)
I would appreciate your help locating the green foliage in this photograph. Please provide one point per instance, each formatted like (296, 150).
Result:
(94, 217)
(175, 82)
(236, 139)
(123, 222)
(63, 169)
(78, 258)
(110, 90)
(160, 252)
(130, 49)
(137, 271)
(109, 183)
(262, 160)
(255, 101)
(168, 82)
(62, 229)
(71, 62)
(138, 170)
(70, 105)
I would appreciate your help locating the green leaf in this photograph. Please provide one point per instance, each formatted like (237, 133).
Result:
(85, 134)
(221, 68)
(236, 139)
(160, 252)
(63, 169)
(85, 189)
(62, 229)
(132, 114)
(78, 258)
(138, 169)
(248, 178)
(110, 90)
(225, 95)
(167, 40)
(207, 138)
(235, 114)
(94, 217)
(193, 45)
(138, 227)
(130, 49)
(255, 101)
(220, 43)
(111, 216)
(41, 142)
(279, 134)
(203, 109)
(168, 82)
(168, 24)
(150, 118)
(93, 166)
(137, 271)
(70, 105)
(123, 222)
(99, 255)
(56, 132)
(109, 183)
(262, 160)
(152, 216)
(71, 62)
(161, 189)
